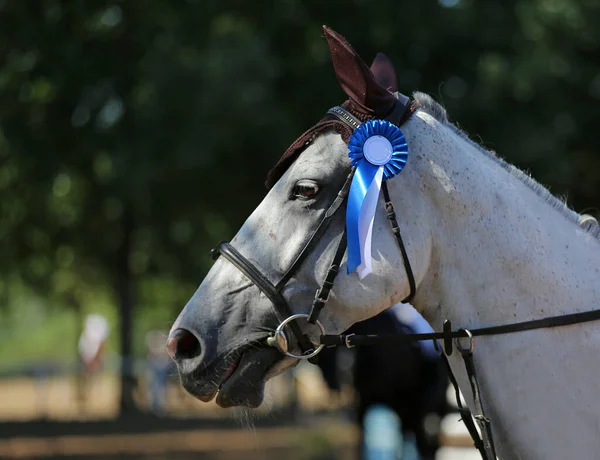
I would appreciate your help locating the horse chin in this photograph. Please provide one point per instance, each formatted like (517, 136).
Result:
(246, 384)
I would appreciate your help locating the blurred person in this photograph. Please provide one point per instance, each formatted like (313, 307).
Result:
(160, 366)
(401, 386)
(92, 349)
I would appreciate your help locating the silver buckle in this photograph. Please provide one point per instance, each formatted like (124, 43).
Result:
(347, 341)
(321, 299)
(471, 342)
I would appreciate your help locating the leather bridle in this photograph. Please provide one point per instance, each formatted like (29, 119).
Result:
(281, 308)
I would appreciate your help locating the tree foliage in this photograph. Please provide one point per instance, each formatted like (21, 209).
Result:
(134, 135)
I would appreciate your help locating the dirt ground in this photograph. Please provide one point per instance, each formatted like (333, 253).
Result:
(298, 443)
(323, 439)
(68, 428)
(225, 434)
(23, 398)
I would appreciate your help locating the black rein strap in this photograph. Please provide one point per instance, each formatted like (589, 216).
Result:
(465, 414)
(485, 442)
(351, 340)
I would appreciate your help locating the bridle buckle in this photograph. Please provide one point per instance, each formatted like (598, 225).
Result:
(322, 300)
(347, 341)
(469, 350)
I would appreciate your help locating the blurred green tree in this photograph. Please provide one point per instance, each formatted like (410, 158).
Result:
(135, 135)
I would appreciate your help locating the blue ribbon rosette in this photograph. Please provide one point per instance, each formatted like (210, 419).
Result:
(379, 151)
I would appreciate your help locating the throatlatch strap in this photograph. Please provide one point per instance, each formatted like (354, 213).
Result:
(391, 215)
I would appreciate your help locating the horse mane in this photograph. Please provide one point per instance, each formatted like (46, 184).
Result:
(587, 222)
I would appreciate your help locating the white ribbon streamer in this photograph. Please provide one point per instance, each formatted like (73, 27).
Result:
(365, 224)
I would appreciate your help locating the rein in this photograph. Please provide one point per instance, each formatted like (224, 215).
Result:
(353, 340)
(485, 442)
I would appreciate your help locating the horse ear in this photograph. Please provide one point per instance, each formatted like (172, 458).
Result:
(357, 81)
(384, 72)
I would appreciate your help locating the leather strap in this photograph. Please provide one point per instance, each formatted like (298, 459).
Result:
(273, 292)
(314, 239)
(465, 413)
(344, 116)
(487, 441)
(253, 274)
(352, 340)
(391, 215)
(322, 295)
(400, 109)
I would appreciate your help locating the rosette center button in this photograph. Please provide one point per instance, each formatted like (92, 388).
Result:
(378, 150)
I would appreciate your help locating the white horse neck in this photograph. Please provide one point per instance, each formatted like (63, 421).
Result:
(503, 254)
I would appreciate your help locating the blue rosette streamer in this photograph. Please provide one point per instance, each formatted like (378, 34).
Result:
(379, 151)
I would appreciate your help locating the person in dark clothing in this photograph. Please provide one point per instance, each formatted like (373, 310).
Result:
(410, 378)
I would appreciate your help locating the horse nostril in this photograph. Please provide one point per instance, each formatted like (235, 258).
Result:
(182, 344)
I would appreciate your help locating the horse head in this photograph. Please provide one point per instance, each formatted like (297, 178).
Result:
(219, 340)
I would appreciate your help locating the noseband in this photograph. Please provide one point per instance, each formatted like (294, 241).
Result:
(281, 307)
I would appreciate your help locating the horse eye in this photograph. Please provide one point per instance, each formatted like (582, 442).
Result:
(305, 190)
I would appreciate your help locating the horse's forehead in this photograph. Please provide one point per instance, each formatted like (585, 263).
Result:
(322, 156)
